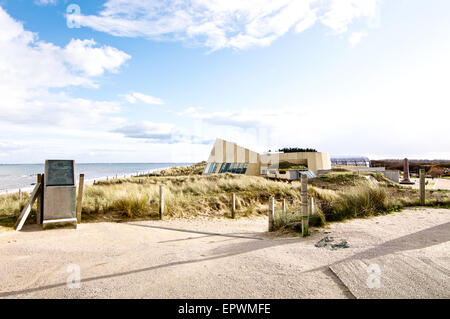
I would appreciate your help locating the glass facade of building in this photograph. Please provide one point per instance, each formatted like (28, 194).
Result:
(210, 168)
(235, 168)
(351, 161)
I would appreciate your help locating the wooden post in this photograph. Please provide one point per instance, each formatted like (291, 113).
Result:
(80, 197)
(422, 186)
(233, 207)
(161, 201)
(311, 206)
(271, 212)
(305, 215)
(27, 208)
(283, 206)
(20, 198)
(40, 199)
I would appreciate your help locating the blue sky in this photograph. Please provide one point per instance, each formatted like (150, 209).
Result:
(158, 81)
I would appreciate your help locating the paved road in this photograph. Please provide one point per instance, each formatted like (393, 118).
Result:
(224, 258)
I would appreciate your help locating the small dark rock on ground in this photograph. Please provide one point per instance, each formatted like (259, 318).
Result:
(326, 242)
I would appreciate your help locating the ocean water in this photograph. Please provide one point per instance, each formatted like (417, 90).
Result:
(23, 176)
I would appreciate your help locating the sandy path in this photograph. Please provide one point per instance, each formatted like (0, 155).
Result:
(147, 260)
(433, 183)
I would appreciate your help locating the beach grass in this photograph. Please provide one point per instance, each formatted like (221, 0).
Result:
(188, 194)
(185, 196)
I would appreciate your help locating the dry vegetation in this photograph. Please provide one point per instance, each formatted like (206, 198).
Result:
(195, 169)
(10, 208)
(188, 194)
(185, 196)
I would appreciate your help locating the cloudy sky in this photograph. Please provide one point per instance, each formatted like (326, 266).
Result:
(158, 81)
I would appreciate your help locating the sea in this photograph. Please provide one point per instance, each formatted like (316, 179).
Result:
(23, 176)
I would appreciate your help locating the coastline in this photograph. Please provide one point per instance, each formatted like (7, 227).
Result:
(90, 181)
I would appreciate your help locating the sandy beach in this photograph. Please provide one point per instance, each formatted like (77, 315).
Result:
(223, 258)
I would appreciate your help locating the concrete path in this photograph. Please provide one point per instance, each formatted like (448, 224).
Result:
(396, 276)
(223, 258)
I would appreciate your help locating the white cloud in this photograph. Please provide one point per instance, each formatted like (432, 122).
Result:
(135, 96)
(371, 123)
(247, 118)
(342, 12)
(82, 55)
(148, 130)
(356, 37)
(61, 110)
(34, 74)
(223, 23)
(159, 133)
(191, 110)
(93, 145)
(8, 146)
(40, 119)
(45, 2)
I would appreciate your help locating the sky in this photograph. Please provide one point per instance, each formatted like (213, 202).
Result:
(158, 81)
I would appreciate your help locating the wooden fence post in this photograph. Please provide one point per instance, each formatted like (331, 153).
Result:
(27, 208)
(283, 206)
(233, 207)
(271, 212)
(161, 201)
(20, 198)
(422, 186)
(80, 197)
(39, 200)
(305, 215)
(311, 206)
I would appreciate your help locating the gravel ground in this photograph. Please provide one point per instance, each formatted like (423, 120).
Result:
(175, 259)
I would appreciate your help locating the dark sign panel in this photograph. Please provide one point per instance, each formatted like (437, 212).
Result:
(60, 173)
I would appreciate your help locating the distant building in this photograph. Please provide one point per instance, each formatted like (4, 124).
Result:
(229, 157)
(350, 161)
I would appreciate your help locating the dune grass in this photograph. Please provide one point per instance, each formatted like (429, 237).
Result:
(338, 196)
(185, 196)
(10, 208)
(346, 196)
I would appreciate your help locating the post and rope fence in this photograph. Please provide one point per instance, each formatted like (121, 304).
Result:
(307, 208)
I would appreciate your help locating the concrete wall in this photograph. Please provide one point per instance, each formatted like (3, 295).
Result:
(393, 175)
(228, 152)
(253, 169)
(315, 161)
